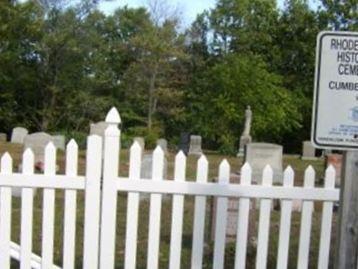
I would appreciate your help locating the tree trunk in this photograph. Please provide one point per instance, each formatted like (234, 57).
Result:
(151, 108)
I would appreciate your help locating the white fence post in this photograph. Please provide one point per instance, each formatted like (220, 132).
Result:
(326, 226)
(132, 208)
(92, 202)
(199, 216)
(26, 212)
(5, 210)
(48, 213)
(221, 218)
(243, 221)
(177, 214)
(109, 191)
(70, 208)
(285, 222)
(306, 222)
(155, 211)
(264, 222)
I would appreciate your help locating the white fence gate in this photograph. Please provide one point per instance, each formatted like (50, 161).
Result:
(100, 225)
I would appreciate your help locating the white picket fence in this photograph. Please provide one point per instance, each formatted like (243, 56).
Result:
(101, 185)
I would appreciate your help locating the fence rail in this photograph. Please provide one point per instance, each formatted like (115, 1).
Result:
(101, 185)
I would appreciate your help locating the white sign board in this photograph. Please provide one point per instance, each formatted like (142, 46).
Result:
(335, 108)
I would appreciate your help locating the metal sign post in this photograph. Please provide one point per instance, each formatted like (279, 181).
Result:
(335, 126)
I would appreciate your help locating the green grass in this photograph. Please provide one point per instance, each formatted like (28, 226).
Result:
(214, 160)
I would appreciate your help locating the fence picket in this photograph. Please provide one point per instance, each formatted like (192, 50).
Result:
(264, 222)
(285, 222)
(70, 208)
(199, 216)
(48, 213)
(155, 211)
(27, 196)
(221, 218)
(177, 214)
(326, 224)
(109, 197)
(5, 210)
(243, 221)
(92, 202)
(132, 208)
(306, 221)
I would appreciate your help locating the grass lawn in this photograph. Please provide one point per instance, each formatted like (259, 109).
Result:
(214, 160)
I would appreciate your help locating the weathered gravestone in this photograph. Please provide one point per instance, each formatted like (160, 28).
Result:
(163, 143)
(147, 163)
(38, 142)
(140, 141)
(98, 128)
(3, 137)
(59, 141)
(195, 145)
(258, 155)
(335, 160)
(308, 151)
(245, 137)
(232, 215)
(146, 172)
(184, 143)
(18, 135)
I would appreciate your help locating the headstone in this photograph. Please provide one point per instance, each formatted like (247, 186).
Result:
(37, 142)
(245, 137)
(98, 128)
(3, 137)
(232, 215)
(195, 145)
(163, 143)
(146, 173)
(335, 160)
(308, 151)
(59, 141)
(146, 169)
(258, 155)
(141, 141)
(184, 142)
(18, 135)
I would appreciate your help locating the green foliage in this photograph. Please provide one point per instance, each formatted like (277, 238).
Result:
(63, 65)
(231, 85)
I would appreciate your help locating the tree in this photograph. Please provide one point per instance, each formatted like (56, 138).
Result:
(237, 81)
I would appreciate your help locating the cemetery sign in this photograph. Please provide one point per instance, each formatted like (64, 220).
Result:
(335, 108)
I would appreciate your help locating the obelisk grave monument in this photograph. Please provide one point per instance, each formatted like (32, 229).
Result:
(245, 137)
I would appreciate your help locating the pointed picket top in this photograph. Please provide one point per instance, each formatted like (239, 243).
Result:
(180, 156)
(6, 163)
(267, 175)
(135, 160)
(28, 154)
(288, 176)
(246, 168)
(180, 166)
(28, 161)
(72, 145)
(113, 116)
(135, 147)
(203, 160)
(309, 176)
(246, 173)
(158, 151)
(158, 163)
(224, 172)
(50, 147)
(202, 169)
(330, 176)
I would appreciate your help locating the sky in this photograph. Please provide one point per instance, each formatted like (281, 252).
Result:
(189, 8)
